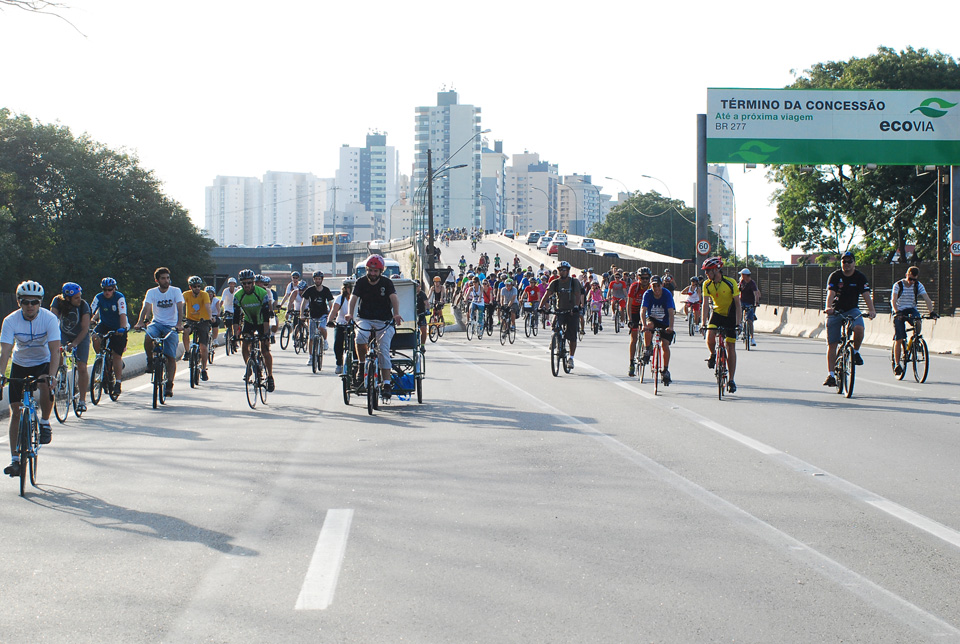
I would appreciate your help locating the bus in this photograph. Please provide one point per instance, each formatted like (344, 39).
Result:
(326, 239)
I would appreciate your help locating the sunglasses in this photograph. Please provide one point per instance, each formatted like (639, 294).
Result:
(247, 282)
(846, 261)
(109, 290)
(30, 302)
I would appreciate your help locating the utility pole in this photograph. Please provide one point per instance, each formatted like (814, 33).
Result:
(334, 269)
(431, 257)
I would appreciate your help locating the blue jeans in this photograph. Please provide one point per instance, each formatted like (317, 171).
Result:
(157, 331)
(900, 325)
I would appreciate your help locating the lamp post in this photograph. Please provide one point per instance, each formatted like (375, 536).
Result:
(734, 195)
(747, 252)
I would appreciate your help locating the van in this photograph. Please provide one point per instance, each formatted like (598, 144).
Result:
(391, 267)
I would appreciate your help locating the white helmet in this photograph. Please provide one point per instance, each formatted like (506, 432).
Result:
(29, 289)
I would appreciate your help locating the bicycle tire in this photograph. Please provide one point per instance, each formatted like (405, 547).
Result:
(371, 389)
(746, 336)
(690, 325)
(157, 385)
(441, 326)
(23, 448)
(34, 443)
(504, 332)
(526, 325)
(162, 379)
(61, 400)
(418, 371)
(512, 334)
(850, 371)
(285, 337)
(721, 368)
(262, 380)
(75, 394)
(434, 334)
(110, 380)
(534, 326)
(554, 357)
(469, 329)
(921, 360)
(616, 321)
(565, 356)
(655, 369)
(96, 380)
(251, 384)
(194, 369)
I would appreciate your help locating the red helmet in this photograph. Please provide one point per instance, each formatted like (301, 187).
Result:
(374, 261)
(713, 262)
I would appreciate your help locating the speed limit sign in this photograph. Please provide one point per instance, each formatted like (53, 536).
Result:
(703, 246)
(955, 249)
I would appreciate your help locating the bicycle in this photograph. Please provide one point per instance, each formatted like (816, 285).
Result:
(747, 328)
(558, 345)
(507, 330)
(914, 351)
(193, 353)
(28, 434)
(301, 336)
(720, 367)
(846, 368)
(618, 322)
(255, 377)
(436, 325)
(103, 375)
(158, 369)
(476, 322)
(656, 361)
(372, 378)
(316, 355)
(693, 314)
(488, 325)
(595, 321)
(66, 388)
(230, 343)
(290, 322)
(530, 322)
(349, 377)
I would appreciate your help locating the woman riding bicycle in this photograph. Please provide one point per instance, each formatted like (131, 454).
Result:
(74, 314)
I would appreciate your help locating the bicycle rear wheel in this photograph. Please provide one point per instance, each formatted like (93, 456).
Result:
(921, 363)
(96, 380)
(61, 395)
(849, 370)
(285, 337)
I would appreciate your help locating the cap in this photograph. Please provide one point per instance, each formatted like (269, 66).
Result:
(655, 280)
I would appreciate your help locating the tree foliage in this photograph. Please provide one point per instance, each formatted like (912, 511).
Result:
(72, 209)
(655, 223)
(834, 208)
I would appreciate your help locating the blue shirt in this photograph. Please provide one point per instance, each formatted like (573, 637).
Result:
(110, 310)
(657, 307)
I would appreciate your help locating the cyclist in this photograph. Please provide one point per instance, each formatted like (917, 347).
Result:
(749, 297)
(164, 305)
(474, 295)
(634, 301)
(595, 299)
(658, 311)
(251, 308)
(226, 303)
(423, 303)
(316, 303)
(216, 313)
(617, 292)
(378, 302)
(462, 264)
(510, 302)
(496, 262)
(668, 281)
(291, 292)
(844, 288)
(569, 294)
(904, 298)
(109, 309)
(691, 306)
(196, 303)
(339, 315)
(36, 334)
(74, 315)
(531, 296)
(727, 315)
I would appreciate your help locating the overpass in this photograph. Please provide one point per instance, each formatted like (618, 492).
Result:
(230, 261)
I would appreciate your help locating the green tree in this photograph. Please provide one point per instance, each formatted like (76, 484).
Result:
(72, 209)
(831, 209)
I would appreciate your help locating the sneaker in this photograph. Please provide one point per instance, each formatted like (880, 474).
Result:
(666, 378)
(310, 361)
(270, 384)
(857, 360)
(326, 347)
(46, 434)
(647, 354)
(712, 361)
(633, 371)
(203, 375)
(898, 370)
(116, 389)
(168, 391)
(186, 357)
(753, 342)
(12, 470)
(81, 406)
(731, 387)
(338, 370)
(831, 381)
(570, 363)
(386, 390)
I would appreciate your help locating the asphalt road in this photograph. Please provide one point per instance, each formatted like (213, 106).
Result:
(511, 506)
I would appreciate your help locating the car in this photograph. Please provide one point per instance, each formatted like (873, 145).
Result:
(555, 247)
(508, 232)
(533, 238)
(588, 244)
(544, 242)
(375, 244)
(560, 237)
(551, 233)
(612, 254)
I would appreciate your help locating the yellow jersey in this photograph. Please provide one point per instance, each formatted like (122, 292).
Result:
(722, 294)
(197, 306)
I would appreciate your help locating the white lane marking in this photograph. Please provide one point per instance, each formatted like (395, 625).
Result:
(887, 384)
(897, 607)
(324, 571)
(149, 385)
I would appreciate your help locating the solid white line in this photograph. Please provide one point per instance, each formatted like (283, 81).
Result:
(324, 571)
(886, 384)
(150, 384)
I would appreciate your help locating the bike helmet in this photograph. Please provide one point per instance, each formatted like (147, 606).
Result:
(70, 289)
(259, 277)
(564, 266)
(644, 271)
(265, 279)
(745, 271)
(436, 278)
(246, 274)
(29, 289)
(210, 289)
(695, 279)
(712, 262)
(195, 281)
(302, 286)
(107, 282)
(318, 273)
(374, 261)
(295, 275)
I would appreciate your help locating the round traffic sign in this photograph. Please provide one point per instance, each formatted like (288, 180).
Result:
(955, 249)
(703, 247)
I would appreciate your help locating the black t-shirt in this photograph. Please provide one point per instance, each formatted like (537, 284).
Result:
(421, 303)
(848, 288)
(374, 299)
(317, 299)
(568, 295)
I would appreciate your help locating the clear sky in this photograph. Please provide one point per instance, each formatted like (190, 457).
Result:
(200, 88)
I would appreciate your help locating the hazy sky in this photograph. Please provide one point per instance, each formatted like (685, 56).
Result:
(202, 88)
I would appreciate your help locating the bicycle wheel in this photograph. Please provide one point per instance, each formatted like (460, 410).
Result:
(534, 324)
(61, 395)
(504, 331)
(512, 334)
(162, 379)
(228, 340)
(434, 333)
(110, 379)
(157, 382)
(251, 383)
(75, 394)
(849, 371)
(921, 364)
(721, 371)
(96, 380)
(34, 442)
(655, 368)
(690, 324)
(746, 335)
(262, 380)
(555, 356)
(469, 328)
(194, 367)
(418, 374)
(372, 392)
(616, 321)
(526, 325)
(641, 365)
(565, 355)
(285, 337)
(23, 449)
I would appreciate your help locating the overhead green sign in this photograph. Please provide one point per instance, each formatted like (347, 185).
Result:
(812, 127)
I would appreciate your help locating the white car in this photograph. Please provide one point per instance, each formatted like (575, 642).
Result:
(508, 232)
(544, 243)
(560, 237)
(588, 244)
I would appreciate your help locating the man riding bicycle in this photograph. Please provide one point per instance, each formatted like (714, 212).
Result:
(658, 310)
(749, 298)
(634, 301)
(379, 304)
(844, 288)
(316, 304)
(903, 300)
(164, 306)
(569, 295)
(726, 315)
(251, 308)
(197, 306)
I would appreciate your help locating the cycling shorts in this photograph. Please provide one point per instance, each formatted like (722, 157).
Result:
(725, 322)
(200, 327)
(257, 330)
(17, 371)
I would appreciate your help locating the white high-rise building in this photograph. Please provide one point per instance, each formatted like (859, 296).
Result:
(290, 207)
(369, 176)
(720, 202)
(443, 129)
(492, 185)
(232, 214)
(532, 202)
(585, 208)
(401, 212)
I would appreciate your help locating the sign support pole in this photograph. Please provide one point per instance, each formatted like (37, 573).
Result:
(703, 216)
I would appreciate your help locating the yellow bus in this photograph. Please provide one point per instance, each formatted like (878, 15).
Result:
(326, 239)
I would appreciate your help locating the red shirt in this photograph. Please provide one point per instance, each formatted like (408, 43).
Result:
(635, 294)
(532, 292)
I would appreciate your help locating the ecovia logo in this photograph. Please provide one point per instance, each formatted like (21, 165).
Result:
(754, 151)
(927, 110)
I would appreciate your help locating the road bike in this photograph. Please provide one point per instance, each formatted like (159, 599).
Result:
(559, 351)
(915, 350)
(103, 376)
(28, 434)
(66, 386)
(655, 360)
(436, 324)
(846, 367)
(255, 376)
(747, 328)
(507, 330)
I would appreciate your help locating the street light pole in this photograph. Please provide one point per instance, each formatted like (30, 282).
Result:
(747, 262)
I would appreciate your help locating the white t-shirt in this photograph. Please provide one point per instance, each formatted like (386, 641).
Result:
(215, 306)
(164, 305)
(344, 302)
(30, 337)
(907, 299)
(227, 298)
